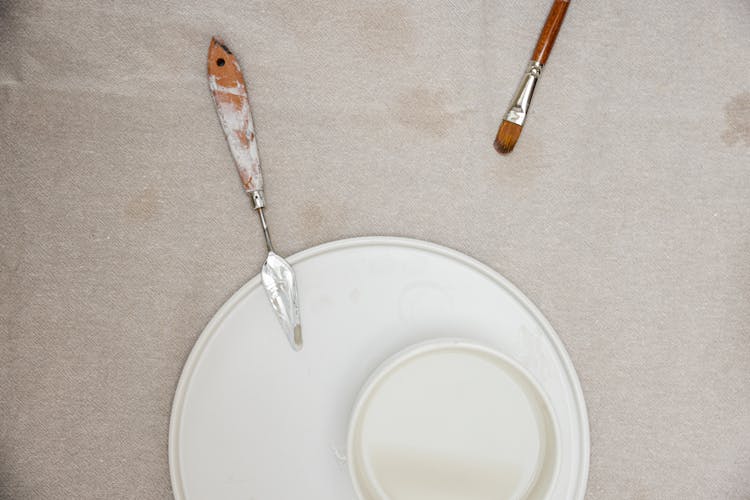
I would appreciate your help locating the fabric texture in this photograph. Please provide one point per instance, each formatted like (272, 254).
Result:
(623, 213)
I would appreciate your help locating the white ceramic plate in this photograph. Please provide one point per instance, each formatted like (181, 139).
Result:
(252, 419)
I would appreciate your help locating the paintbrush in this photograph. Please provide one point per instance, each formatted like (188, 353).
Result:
(510, 128)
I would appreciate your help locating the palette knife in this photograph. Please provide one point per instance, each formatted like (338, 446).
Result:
(233, 106)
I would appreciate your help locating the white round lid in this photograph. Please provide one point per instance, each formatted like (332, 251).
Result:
(451, 419)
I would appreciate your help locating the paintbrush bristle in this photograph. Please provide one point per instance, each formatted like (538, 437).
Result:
(507, 136)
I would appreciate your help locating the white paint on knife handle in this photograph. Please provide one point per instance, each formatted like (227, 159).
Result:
(233, 108)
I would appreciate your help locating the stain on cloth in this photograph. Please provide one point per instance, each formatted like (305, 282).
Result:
(737, 112)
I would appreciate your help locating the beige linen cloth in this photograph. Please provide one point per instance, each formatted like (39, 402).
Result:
(623, 213)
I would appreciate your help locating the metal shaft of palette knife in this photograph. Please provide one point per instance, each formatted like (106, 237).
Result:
(233, 107)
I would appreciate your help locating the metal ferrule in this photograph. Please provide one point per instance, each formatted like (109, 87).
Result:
(259, 201)
(522, 100)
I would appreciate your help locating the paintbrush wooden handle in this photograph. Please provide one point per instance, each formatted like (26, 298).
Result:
(233, 106)
(550, 31)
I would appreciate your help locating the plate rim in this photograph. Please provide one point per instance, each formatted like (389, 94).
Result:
(204, 337)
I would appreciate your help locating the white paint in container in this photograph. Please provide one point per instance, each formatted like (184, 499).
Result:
(451, 419)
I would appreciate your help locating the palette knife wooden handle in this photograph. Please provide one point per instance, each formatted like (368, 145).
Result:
(233, 106)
